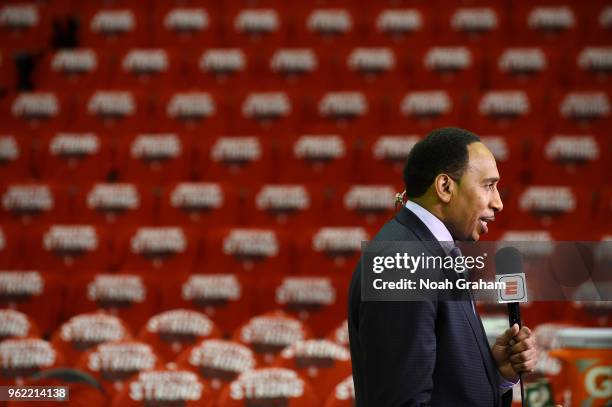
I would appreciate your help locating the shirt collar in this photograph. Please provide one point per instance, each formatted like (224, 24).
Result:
(435, 225)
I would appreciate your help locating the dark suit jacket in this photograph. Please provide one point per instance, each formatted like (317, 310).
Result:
(427, 353)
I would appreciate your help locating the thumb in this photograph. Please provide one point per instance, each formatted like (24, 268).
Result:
(506, 337)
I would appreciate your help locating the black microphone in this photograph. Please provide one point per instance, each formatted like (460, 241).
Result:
(509, 269)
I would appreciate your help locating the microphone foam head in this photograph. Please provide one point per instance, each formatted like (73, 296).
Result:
(508, 260)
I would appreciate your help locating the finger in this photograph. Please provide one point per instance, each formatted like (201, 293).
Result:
(523, 334)
(524, 367)
(522, 346)
(506, 337)
(522, 357)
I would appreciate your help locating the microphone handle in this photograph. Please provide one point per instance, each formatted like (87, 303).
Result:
(514, 314)
(514, 317)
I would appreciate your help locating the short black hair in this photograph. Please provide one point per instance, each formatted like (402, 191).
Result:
(441, 151)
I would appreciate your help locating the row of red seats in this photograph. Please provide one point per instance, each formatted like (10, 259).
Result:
(113, 353)
(459, 67)
(70, 249)
(266, 242)
(353, 111)
(228, 299)
(281, 205)
(321, 158)
(561, 22)
(266, 351)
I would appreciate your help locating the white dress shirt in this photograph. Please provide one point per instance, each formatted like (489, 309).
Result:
(435, 225)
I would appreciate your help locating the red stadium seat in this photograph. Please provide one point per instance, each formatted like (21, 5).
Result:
(268, 334)
(258, 26)
(147, 68)
(257, 386)
(116, 203)
(131, 297)
(592, 67)
(402, 25)
(581, 111)
(184, 25)
(166, 249)
(295, 68)
(447, 67)
(15, 156)
(363, 205)
(226, 298)
(264, 112)
(524, 68)
(330, 251)
(550, 207)
(23, 26)
(383, 157)
(113, 364)
(255, 251)
(119, 27)
(30, 202)
(320, 302)
(503, 111)
(34, 111)
(372, 67)
(154, 157)
(112, 111)
(343, 394)
(323, 362)
(185, 386)
(545, 23)
(68, 249)
(15, 324)
(284, 205)
(86, 331)
(171, 332)
(422, 111)
(322, 158)
(218, 362)
(484, 25)
(21, 358)
(201, 203)
(576, 159)
(195, 112)
(240, 160)
(38, 295)
(74, 69)
(327, 26)
(220, 68)
(74, 157)
(341, 111)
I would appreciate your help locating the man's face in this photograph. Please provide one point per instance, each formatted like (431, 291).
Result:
(475, 200)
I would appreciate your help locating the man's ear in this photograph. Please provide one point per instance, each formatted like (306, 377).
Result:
(444, 186)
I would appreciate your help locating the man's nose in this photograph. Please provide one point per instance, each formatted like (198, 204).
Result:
(496, 202)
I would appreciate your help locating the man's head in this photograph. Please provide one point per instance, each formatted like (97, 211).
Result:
(453, 175)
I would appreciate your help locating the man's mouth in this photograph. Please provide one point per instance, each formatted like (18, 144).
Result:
(484, 223)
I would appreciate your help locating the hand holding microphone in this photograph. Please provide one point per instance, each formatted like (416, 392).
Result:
(515, 352)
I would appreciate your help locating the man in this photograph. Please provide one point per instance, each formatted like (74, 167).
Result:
(435, 353)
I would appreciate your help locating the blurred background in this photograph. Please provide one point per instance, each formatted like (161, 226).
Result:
(185, 185)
